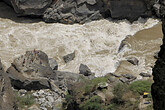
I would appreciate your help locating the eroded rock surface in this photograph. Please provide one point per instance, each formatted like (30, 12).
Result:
(6, 93)
(30, 71)
(82, 11)
(30, 7)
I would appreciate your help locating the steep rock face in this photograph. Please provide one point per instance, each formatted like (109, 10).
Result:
(130, 9)
(74, 11)
(81, 11)
(6, 93)
(29, 7)
(158, 87)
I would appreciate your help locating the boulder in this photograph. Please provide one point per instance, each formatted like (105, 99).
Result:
(69, 57)
(29, 7)
(123, 43)
(133, 60)
(53, 64)
(32, 64)
(124, 80)
(63, 79)
(145, 74)
(6, 93)
(127, 78)
(102, 85)
(85, 70)
(30, 71)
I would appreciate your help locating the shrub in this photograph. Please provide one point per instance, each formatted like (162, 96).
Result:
(92, 84)
(94, 103)
(141, 86)
(26, 100)
(119, 90)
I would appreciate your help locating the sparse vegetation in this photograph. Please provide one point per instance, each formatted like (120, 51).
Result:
(94, 103)
(141, 86)
(122, 97)
(24, 101)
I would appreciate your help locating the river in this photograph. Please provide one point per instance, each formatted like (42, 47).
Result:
(95, 44)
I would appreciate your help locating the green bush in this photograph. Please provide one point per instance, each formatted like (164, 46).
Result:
(94, 103)
(119, 90)
(92, 84)
(141, 86)
(26, 100)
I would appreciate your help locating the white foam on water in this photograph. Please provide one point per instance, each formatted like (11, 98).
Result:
(95, 43)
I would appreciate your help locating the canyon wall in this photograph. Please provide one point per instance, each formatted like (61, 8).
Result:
(158, 87)
(81, 11)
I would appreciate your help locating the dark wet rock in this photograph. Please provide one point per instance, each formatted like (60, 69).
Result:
(145, 74)
(85, 70)
(133, 60)
(69, 57)
(30, 71)
(123, 43)
(29, 7)
(6, 93)
(53, 64)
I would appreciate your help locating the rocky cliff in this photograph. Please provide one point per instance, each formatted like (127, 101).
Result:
(81, 11)
(158, 87)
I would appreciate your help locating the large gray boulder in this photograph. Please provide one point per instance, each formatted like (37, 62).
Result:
(30, 71)
(29, 7)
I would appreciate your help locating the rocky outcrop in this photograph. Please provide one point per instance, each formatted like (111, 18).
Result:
(158, 91)
(81, 11)
(6, 93)
(29, 7)
(74, 11)
(30, 71)
(130, 9)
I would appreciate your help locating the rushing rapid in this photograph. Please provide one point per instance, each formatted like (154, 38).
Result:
(95, 44)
